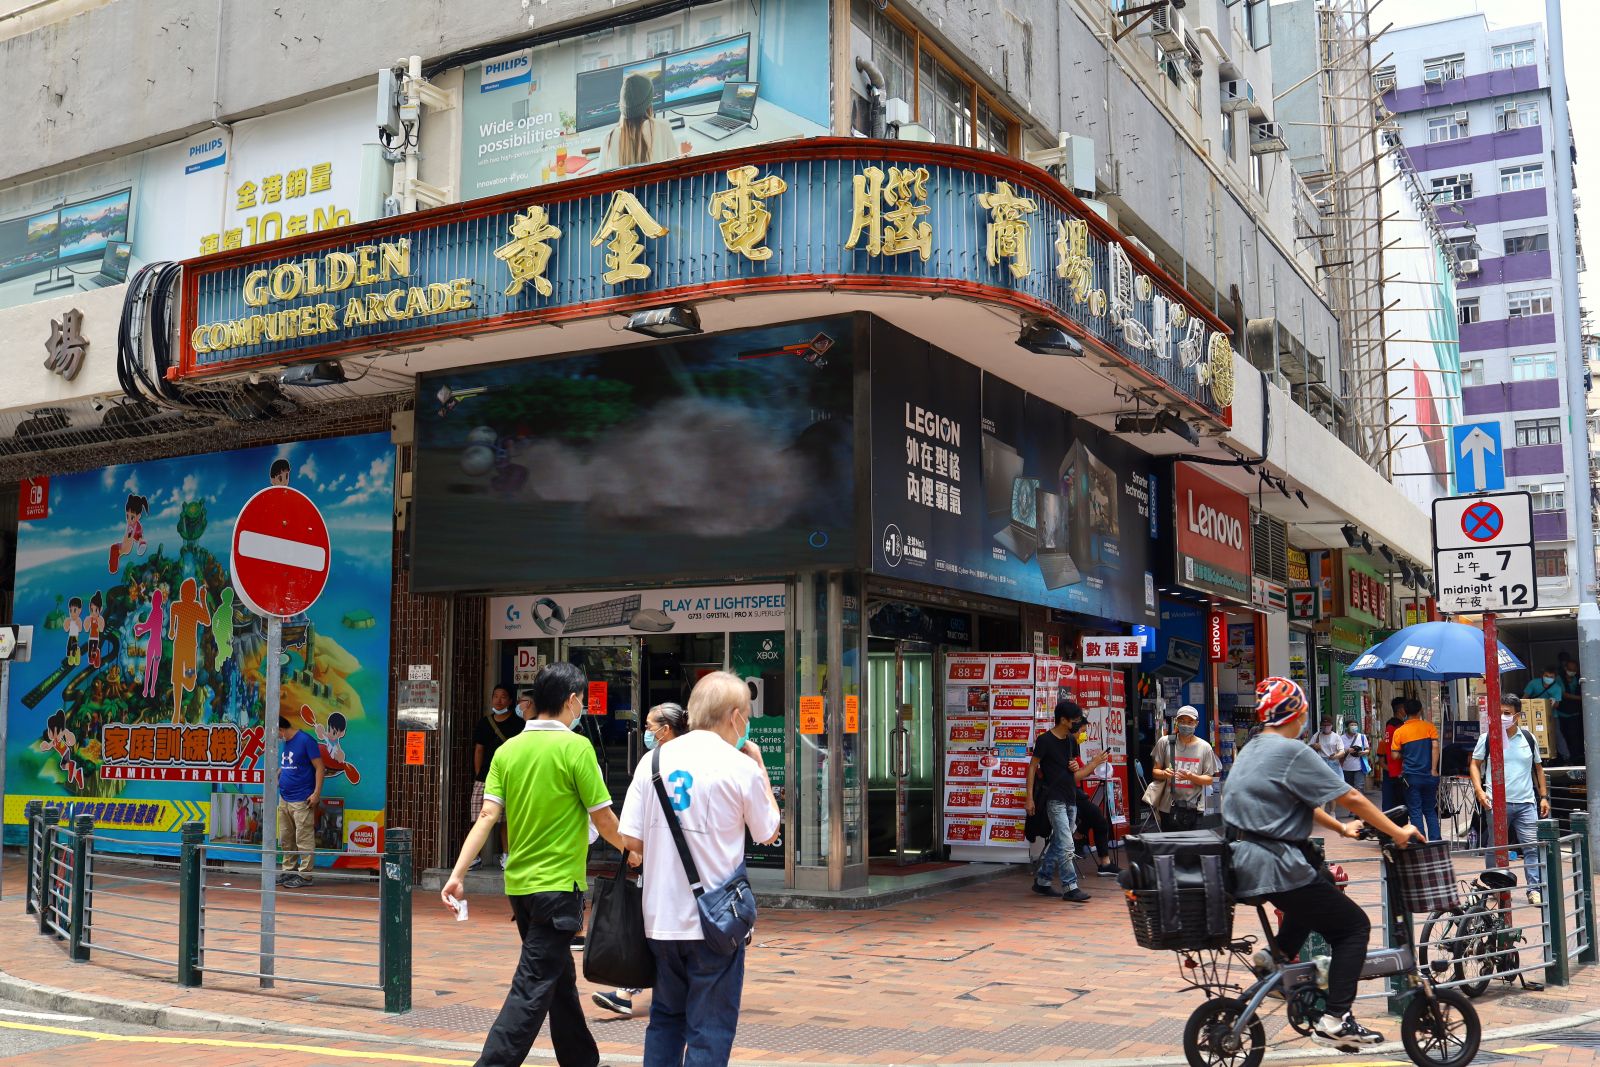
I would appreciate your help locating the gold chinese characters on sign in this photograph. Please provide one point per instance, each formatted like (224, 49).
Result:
(1008, 228)
(268, 223)
(624, 222)
(1217, 372)
(527, 254)
(741, 211)
(904, 191)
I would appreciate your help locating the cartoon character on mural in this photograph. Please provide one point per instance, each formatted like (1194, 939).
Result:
(95, 625)
(134, 511)
(60, 740)
(222, 629)
(330, 739)
(152, 628)
(73, 627)
(278, 473)
(189, 615)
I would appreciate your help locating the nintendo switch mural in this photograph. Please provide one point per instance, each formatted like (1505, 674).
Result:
(142, 702)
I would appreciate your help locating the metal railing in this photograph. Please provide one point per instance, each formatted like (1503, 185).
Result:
(203, 911)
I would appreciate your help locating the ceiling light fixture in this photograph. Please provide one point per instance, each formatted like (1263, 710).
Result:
(675, 320)
(1047, 339)
(1352, 536)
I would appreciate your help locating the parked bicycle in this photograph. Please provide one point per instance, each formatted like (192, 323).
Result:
(1477, 942)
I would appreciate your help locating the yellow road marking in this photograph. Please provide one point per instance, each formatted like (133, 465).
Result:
(1522, 1048)
(217, 1042)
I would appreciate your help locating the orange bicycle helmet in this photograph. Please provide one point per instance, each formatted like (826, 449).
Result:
(1278, 700)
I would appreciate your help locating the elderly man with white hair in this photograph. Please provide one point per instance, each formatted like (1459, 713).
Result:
(715, 791)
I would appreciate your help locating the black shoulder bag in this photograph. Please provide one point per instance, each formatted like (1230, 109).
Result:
(728, 911)
(616, 952)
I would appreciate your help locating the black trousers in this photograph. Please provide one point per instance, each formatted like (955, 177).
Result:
(1092, 820)
(1325, 909)
(545, 983)
(1180, 818)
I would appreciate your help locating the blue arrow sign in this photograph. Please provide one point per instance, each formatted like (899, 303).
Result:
(1479, 460)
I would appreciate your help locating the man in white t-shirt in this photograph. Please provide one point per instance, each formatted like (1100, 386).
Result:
(717, 792)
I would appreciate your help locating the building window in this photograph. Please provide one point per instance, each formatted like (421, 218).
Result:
(1450, 188)
(1228, 139)
(1258, 23)
(1462, 248)
(1507, 56)
(1527, 176)
(1536, 241)
(1466, 314)
(659, 42)
(1445, 68)
(1530, 368)
(1529, 302)
(1552, 497)
(1258, 174)
(1472, 371)
(1451, 127)
(944, 101)
(1550, 562)
(1538, 432)
(1516, 114)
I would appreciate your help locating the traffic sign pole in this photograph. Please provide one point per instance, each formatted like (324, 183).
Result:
(269, 800)
(1497, 739)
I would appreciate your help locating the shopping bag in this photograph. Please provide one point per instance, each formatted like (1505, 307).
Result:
(615, 952)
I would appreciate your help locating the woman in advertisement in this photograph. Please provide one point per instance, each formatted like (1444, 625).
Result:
(639, 137)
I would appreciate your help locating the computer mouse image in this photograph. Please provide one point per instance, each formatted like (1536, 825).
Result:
(652, 620)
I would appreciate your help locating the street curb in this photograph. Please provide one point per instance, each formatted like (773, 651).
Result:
(163, 1017)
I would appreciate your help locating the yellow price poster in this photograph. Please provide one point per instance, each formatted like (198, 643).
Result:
(811, 715)
(852, 715)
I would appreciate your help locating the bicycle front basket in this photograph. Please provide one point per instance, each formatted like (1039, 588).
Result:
(1427, 877)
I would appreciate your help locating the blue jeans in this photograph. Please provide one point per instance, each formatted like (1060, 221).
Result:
(1422, 802)
(1523, 822)
(1057, 858)
(695, 1009)
(1394, 792)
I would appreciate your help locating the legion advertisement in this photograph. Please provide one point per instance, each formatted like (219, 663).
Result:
(142, 702)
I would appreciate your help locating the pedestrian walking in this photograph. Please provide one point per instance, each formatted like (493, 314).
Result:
(497, 726)
(300, 772)
(1569, 713)
(1089, 816)
(1527, 792)
(714, 792)
(547, 783)
(1054, 772)
(1418, 743)
(1330, 746)
(1354, 763)
(1188, 764)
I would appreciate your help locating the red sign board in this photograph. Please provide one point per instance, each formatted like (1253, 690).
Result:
(598, 697)
(1217, 637)
(33, 499)
(281, 552)
(1213, 534)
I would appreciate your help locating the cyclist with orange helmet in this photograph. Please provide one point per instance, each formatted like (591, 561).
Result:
(1274, 796)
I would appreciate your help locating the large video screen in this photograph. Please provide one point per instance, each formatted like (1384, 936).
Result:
(70, 233)
(699, 73)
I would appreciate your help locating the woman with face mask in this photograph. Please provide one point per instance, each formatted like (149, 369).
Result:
(1355, 756)
(1188, 765)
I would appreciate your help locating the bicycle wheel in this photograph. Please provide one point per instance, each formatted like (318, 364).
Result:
(1449, 941)
(1208, 1039)
(1441, 1031)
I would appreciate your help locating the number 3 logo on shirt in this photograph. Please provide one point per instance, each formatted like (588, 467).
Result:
(682, 782)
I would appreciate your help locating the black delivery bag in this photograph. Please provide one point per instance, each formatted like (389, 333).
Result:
(1180, 890)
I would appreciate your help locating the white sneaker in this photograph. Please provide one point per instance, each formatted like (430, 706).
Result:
(1535, 897)
(1262, 963)
(1343, 1033)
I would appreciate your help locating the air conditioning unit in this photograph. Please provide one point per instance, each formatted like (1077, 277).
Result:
(1460, 118)
(1433, 78)
(1266, 138)
(1384, 81)
(1168, 27)
(1468, 267)
(1237, 95)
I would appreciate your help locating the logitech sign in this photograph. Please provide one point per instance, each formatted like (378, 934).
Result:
(698, 610)
(1212, 535)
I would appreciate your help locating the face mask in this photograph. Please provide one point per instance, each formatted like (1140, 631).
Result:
(1327, 729)
(649, 740)
(1081, 736)
(1185, 729)
(1549, 678)
(744, 737)
(1351, 730)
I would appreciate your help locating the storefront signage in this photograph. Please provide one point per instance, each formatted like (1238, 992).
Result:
(66, 347)
(812, 715)
(1364, 593)
(1213, 534)
(1303, 604)
(696, 610)
(1268, 594)
(1110, 650)
(33, 498)
(1348, 635)
(1217, 637)
(1299, 566)
(980, 485)
(839, 212)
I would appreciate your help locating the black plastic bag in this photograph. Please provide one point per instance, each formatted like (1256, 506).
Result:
(615, 952)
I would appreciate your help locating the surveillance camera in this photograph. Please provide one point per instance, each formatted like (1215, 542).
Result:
(97, 404)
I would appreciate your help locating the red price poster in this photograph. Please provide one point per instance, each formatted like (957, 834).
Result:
(965, 767)
(1014, 668)
(597, 698)
(1013, 733)
(964, 799)
(964, 831)
(1004, 831)
(1009, 770)
(966, 733)
(967, 668)
(1007, 800)
(966, 701)
(1011, 703)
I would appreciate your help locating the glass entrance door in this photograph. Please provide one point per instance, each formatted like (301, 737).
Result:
(611, 714)
(902, 779)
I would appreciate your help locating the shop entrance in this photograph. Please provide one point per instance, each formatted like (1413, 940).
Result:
(611, 711)
(902, 806)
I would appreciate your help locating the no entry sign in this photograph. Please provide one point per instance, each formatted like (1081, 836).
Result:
(1483, 553)
(280, 552)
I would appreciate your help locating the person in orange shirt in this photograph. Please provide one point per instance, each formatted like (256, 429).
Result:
(1394, 785)
(1418, 743)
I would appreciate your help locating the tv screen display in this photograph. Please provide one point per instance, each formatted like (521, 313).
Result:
(87, 227)
(33, 243)
(699, 73)
(600, 91)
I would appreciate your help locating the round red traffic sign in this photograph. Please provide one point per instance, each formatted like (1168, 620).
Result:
(280, 552)
(1482, 521)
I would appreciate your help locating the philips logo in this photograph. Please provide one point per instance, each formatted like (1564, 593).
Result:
(503, 73)
(202, 149)
(205, 156)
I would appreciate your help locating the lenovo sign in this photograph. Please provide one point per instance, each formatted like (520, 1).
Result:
(1213, 534)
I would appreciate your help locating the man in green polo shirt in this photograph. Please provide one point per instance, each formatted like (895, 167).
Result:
(548, 784)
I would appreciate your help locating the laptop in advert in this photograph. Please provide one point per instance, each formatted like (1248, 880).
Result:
(734, 112)
(1055, 557)
(1009, 498)
(1183, 659)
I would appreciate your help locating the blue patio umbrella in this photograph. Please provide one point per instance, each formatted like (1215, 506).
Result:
(1429, 652)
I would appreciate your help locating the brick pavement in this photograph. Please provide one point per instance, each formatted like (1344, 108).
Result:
(989, 973)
